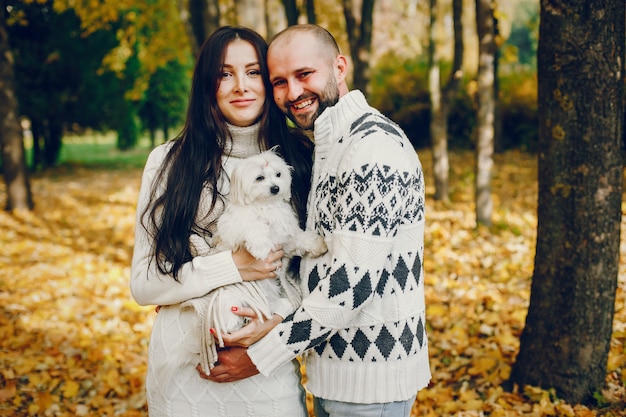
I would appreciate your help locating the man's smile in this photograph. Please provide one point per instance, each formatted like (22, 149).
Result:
(303, 104)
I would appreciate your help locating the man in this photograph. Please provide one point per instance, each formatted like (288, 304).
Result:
(361, 325)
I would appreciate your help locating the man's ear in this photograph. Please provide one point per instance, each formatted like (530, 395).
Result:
(341, 68)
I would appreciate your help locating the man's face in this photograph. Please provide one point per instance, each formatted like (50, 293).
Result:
(303, 80)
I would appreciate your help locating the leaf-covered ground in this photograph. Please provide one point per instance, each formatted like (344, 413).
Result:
(73, 343)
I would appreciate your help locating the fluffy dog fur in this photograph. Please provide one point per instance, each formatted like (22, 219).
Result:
(259, 217)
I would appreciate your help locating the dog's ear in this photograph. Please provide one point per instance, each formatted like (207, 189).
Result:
(237, 187)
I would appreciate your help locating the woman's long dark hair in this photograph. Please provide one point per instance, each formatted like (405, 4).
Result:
(196, 153)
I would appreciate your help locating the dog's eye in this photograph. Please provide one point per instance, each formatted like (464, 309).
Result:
(260, 178)
(278, 174)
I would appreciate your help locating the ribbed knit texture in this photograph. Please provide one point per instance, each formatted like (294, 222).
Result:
(362, 321)
(174, 388)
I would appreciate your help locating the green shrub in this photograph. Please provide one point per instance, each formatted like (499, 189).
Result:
(399, 89)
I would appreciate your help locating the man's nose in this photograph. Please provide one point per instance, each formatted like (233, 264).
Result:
(295, 90)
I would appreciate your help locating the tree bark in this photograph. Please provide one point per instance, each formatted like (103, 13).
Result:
(310, 11)
(443, 98)
(11, 139)
(360, 40)
(486, 106)
(565, 342)
(291, 12)
(203, 19)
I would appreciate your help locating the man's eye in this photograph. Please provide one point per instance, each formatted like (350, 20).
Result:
(260, 178)
(278, 83)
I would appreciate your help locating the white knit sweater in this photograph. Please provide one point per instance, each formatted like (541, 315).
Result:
(173, 386)
(362, 321)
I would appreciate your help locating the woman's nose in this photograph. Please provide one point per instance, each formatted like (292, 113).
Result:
(240, 85)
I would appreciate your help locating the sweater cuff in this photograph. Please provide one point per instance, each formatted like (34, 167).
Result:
(269, 353)
(219, 268)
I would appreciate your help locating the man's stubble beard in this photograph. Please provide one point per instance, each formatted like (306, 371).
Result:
(328, 98)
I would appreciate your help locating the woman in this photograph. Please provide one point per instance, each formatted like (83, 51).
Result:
(230, 116)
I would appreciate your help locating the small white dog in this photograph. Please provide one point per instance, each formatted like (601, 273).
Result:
(258, 217)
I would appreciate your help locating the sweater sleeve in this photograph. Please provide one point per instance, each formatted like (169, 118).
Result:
(369, 203)
(197, 277)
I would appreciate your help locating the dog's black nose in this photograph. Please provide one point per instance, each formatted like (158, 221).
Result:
(274, 189)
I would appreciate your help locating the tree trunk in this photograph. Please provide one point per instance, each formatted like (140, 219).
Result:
(250, 13)
(486, 105)
(204, 19)
(438, 125)
(310, 11)
(291, 12)
(442, 99)
(566, 340)
(360, 40)
(11, 139)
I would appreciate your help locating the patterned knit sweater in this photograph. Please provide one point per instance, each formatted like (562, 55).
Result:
(362, 319)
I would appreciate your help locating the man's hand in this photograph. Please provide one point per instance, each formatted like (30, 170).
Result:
(233, 364)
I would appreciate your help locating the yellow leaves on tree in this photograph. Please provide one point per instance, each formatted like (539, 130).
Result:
(152, 29)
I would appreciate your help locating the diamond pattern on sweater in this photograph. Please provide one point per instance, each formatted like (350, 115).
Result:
(417, 269)
(316, 341)
(300, 332)
(339, 282)
(314, 279)
(385, 342)
(401, 273)
(420, 332)
(362, 291)
(384, 277)
(406, 339)
(339, 345)
(360, 343)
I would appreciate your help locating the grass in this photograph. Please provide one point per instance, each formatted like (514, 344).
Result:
(99, 150)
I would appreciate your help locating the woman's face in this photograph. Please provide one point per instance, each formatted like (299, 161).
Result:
(241, 93)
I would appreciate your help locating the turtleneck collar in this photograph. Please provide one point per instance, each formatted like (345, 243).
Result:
(334, 120)
(245, 141)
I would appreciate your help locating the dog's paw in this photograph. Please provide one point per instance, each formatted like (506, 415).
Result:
(311, 244)
(260, 249)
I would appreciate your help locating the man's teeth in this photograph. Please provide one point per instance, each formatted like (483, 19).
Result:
(303, 104)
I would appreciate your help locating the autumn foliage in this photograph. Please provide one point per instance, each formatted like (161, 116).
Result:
(74, 343)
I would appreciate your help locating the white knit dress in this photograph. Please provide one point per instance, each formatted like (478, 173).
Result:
(173, 386)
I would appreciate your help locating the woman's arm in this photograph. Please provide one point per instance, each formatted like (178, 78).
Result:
(199, 276)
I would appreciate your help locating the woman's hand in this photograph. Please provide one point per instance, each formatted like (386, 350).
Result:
(252, 269)
(253, 331)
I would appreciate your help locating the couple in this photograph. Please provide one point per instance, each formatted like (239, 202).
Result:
(360, 325)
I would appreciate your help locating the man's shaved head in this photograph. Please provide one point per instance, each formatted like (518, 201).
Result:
(324, 39)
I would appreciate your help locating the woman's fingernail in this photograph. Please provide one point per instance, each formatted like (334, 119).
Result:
(234, 308)
(212, 330)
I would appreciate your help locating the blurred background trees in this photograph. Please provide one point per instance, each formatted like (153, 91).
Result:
(452, 73)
